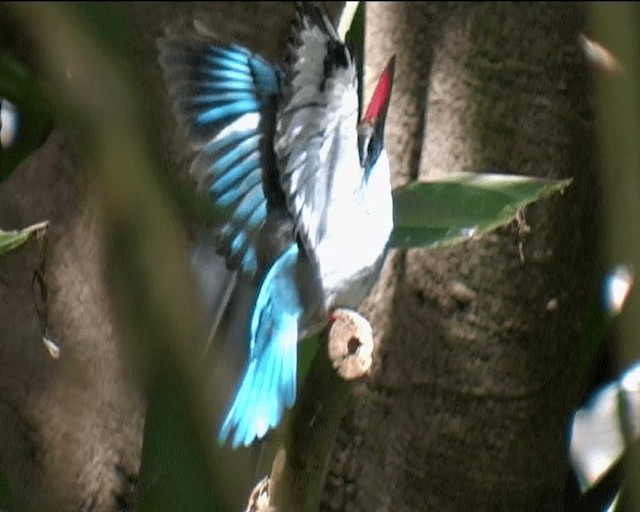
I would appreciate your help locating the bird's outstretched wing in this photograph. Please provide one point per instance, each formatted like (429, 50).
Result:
(316, 129)
(224, 97)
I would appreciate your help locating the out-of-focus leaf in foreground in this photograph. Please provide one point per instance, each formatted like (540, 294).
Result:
(98, 102)
(11, 240)
(454, 208)
(174, 470)
(26, 118)
(306, 352)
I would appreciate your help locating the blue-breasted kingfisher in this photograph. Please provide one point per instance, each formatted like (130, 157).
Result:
(305, 184)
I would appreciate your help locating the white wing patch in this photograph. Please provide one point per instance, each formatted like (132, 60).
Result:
(316, 130)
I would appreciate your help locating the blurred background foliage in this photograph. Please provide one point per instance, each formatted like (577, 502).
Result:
(183, 468)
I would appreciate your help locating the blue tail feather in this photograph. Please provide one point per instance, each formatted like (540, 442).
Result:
(268, 386)
(265, 390)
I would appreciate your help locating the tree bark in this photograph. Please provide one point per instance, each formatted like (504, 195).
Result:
(71, 427)
(476, 372)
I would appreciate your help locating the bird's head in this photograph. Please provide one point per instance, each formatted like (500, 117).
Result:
(371, 128)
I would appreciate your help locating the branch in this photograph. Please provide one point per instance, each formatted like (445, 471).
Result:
(300, 465)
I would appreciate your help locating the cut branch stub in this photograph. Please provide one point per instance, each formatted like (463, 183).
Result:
(299, 470)
(259, 498)
(350, 344)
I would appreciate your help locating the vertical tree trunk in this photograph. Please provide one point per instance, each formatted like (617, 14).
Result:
(476, 369)
(70, 427)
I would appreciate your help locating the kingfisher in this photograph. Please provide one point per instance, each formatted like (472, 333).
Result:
(304, 184)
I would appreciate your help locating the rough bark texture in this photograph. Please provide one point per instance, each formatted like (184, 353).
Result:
(469, 404)
(71, 427)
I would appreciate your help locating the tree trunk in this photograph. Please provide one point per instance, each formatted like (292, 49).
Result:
(476, 373)
(71, 427)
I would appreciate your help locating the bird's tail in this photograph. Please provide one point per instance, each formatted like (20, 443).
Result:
(214, 281)
(268, 385)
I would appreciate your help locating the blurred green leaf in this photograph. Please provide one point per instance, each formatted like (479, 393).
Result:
(183, 468)
(455, 208)
(596, 323)
(175, 469)
(615, 26)
(11, 240)
(307, 351)
(108, 21)
(198, 204)
(19, 87)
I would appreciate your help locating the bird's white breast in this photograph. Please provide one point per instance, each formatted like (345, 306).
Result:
(360, 219)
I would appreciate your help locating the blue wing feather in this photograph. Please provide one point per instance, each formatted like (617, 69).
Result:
(228, 61)
(232, 53)
(258, 215)
(218, 110)
(221, 95)
(248, 204)
(227, 161)
(224, 96)
(228, 195)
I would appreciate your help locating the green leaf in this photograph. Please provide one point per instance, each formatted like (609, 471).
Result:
(306, 353)
(175, 472)
(458, 206)
(19, 87)
(108, 21)
(11, 240)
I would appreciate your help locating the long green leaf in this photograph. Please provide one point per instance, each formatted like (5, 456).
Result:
(11, 240)
(156, 306)
(458, 206)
